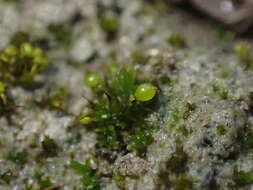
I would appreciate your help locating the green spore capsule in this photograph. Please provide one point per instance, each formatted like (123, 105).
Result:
(26, 49)
(92, 79)
(145, 92)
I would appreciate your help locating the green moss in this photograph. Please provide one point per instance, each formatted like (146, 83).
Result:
(49, 147)
(220, 130)
(177, 162)
(120, 180)
(175, 175)
(18, 157)
(141, 140)
(110, 25)
(43, 180)
(21, 62)
(183, 182)
(247, 138)
(222, 92)
(140, 58)
(242, 50)
(224, 74)
(242, 178)
(90, 180)
(61, 33)
(29, 187)
(108, 137)
(181, 129)
(150, 31)
(176, 40)
(19, 38)
(57, 100)
(116, 115)
(7, 107)
(6, 176)
(189, 107)
(226, 35)
(179, 112)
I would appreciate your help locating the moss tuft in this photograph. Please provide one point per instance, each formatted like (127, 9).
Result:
(20, 62)
(116, 114)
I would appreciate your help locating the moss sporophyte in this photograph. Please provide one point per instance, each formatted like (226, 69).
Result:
(117, 113)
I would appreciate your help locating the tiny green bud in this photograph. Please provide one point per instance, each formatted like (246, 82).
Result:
(92, 79)
(145, 92)
(26, 49)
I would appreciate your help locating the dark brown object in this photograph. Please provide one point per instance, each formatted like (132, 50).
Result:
(235, 13)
